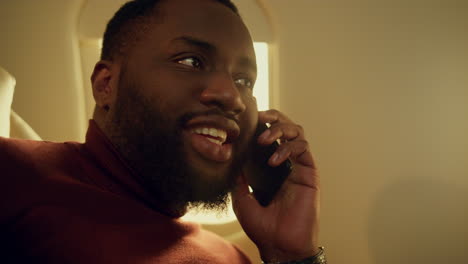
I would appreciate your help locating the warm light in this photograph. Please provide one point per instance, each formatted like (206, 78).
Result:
(261, 92)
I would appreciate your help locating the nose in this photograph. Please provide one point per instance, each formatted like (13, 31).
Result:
(221, 92)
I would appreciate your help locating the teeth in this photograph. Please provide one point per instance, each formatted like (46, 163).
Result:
(215, 141)
(219, 134)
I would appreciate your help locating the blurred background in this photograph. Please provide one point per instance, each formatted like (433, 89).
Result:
(381, 88)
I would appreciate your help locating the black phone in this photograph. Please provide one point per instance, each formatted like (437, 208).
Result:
(265, 180)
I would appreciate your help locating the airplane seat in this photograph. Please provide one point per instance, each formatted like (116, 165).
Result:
(11, 124)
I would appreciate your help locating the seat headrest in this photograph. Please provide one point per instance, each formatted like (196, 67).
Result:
(7, 87)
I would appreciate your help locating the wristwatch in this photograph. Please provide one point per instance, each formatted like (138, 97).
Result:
(319, 258)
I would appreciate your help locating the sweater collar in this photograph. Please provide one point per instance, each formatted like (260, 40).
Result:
(120, 177)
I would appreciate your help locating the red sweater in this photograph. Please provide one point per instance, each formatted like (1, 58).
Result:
(80, 203)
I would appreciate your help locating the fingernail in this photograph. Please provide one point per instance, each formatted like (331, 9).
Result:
(274, 157)
(265, 135)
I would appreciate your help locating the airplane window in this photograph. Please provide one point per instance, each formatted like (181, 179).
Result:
(261, 90)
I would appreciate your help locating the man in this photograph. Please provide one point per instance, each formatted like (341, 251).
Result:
(174, 121)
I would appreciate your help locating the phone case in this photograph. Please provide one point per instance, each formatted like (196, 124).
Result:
(265, 180)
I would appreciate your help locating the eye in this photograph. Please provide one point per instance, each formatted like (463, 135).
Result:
(244, 82)
(191, 62)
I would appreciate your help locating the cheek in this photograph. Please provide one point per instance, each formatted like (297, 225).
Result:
(169, 94)
(178, 90)
(251, 115)
(251, 104)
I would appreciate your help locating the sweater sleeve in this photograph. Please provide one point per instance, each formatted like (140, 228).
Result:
(14, 170)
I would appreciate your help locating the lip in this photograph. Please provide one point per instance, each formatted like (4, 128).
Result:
(216, 121)
(208, 150)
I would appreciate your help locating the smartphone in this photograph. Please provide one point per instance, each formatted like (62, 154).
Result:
(265, 180)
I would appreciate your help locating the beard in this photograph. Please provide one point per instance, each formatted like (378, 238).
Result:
(152, 144)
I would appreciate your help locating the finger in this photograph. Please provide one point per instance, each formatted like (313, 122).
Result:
(284, 132)
(242, 188)
(272, 116)
(297, 150)
(242, 200)
(281, 127)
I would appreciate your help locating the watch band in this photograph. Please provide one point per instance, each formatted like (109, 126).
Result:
(317, 259)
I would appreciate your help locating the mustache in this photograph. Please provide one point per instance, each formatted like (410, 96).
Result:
(215, 111)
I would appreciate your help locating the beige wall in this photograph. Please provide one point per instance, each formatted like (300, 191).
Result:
(382, 92)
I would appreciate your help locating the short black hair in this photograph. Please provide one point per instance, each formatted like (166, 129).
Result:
(129, 20)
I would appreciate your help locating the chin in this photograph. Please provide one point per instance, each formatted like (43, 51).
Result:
(206, 168)
(211, 181)
(216, 175)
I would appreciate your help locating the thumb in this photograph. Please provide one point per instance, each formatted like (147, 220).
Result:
(242, 200)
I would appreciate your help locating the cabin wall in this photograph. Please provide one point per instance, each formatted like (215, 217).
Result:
(39, 48)
(381, 89)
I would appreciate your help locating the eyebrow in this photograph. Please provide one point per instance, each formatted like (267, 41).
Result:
(192, 41)
(244, 62)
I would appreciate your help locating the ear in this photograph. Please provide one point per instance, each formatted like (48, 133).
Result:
(104, 82)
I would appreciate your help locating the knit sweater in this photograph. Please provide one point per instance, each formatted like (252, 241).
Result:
(80, 203)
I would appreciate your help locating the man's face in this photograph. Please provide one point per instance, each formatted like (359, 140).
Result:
(185, 104)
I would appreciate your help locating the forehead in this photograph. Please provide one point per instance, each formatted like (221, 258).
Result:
(206, 20)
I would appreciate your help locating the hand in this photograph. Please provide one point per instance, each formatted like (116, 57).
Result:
(288, 228)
